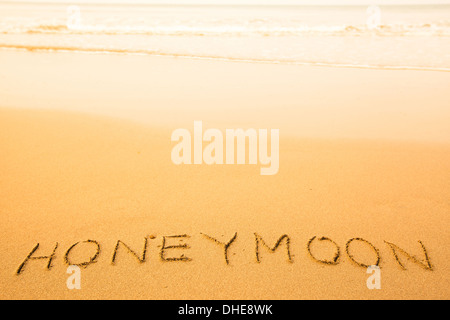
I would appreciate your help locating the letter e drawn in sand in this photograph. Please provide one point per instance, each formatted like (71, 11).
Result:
(164, 248)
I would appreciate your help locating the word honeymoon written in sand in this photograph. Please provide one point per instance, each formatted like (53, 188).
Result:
(170, 247)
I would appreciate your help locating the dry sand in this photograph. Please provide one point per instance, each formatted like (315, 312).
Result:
(363, 153)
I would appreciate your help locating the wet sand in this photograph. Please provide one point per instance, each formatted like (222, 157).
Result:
(86, 156)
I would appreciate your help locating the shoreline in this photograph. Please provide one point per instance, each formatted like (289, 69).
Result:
(146, 53)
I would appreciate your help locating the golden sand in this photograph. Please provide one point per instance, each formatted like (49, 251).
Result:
(69, 177)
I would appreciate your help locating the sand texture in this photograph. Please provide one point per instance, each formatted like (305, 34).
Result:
(90, 160)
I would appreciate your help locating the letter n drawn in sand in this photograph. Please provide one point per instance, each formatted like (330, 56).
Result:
(259, 240)
(426, 264)
(141, 258)
(164, 248)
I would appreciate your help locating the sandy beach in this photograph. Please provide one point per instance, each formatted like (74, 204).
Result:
(85, 155)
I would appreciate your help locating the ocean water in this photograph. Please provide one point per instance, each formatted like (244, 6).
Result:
(395, 37)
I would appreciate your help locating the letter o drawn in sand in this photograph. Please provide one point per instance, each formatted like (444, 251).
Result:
(347, 246)
(335, 259)
(86, 263)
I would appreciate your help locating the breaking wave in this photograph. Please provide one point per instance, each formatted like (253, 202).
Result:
(423, 29)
